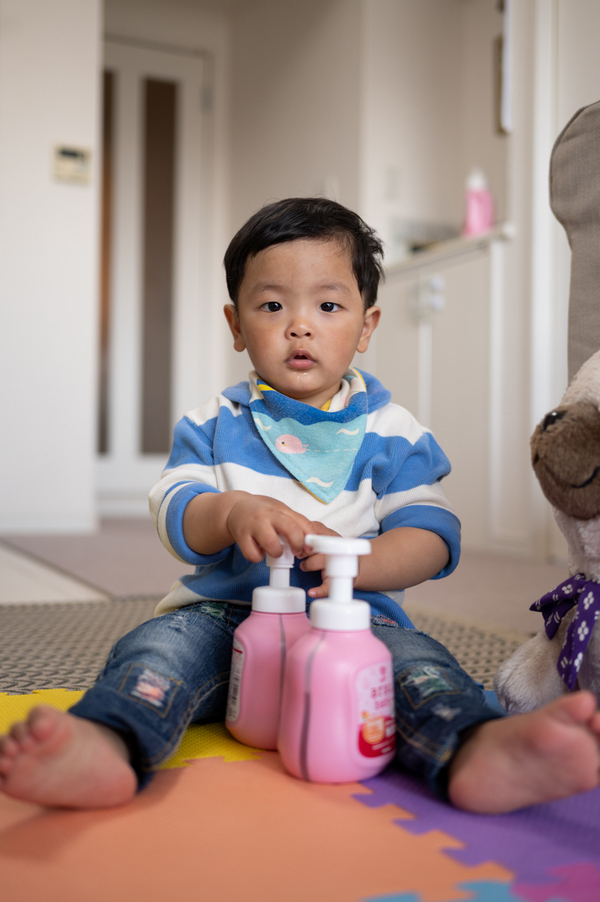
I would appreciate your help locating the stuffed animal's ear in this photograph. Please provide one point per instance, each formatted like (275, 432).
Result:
(585, 385)
(575, 201)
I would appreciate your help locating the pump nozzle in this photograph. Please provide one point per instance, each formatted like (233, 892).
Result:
(280, 566)
(340, 611)
(279, 597)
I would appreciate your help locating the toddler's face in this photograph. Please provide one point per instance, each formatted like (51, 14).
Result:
(301, 317)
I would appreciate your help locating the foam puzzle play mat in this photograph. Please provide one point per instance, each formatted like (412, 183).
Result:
(223, 821)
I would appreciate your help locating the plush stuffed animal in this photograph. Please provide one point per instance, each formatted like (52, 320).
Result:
(565, 654)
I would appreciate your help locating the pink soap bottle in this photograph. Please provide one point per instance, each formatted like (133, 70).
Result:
(479, 213)
(260, 648)
(337, 715)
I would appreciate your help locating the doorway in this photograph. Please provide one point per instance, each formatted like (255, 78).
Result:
(152, 267)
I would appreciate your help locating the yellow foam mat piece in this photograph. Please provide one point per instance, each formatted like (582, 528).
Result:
(200, 740)
(210, 740)
(17, 707)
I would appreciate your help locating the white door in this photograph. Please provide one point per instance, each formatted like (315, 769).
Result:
(152, 262)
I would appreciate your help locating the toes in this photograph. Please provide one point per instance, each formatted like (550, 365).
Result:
(41, 721)
(9, 749)
(24, 736)
(594, 723)
(577, 707)
(20, 734)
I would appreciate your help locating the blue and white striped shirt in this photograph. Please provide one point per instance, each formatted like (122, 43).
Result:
(395, 481)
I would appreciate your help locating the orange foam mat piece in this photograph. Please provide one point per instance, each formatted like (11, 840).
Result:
(230, 825)
(220, 831)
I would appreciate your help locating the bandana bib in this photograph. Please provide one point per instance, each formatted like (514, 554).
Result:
(317, 447)
(584, 593)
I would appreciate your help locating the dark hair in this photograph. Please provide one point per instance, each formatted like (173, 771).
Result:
(307, 217)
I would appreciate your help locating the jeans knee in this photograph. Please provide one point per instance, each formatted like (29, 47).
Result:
(162, 645)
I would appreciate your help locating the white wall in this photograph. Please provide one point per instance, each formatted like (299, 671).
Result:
(296, 101)
(49, 94)
(385, 104)
(514, 526)
(428, 114)
(411, 114)
(296, 107)
(480, 142)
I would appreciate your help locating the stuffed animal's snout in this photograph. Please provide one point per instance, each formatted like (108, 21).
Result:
(565, 453)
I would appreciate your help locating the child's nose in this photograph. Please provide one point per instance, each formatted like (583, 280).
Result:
(299, 328)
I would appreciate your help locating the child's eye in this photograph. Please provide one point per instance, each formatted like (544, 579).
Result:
(329, 306)
(272, 306)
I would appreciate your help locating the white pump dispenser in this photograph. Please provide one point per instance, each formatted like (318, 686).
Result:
(337, 712)
(260, 647)
(279, 597)
(340, 611)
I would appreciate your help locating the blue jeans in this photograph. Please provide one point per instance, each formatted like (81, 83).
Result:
(174, 670)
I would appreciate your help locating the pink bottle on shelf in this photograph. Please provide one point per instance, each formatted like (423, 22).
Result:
(479, 212)
(337, 714)
(260, 648)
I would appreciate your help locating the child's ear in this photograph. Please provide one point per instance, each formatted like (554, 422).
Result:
(233, 321)
(370, 323)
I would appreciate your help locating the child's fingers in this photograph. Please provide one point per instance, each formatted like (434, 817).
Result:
(321, 591)
(265, 536)
(313, 562)
(256, 523)
(250, 548)
(319, 529)
(293, 530)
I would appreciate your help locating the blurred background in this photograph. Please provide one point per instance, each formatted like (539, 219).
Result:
(136, 136)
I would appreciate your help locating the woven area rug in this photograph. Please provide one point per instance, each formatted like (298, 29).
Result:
(45, 646)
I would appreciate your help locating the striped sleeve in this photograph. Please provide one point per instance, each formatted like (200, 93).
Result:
(408, 467)
(189, 472)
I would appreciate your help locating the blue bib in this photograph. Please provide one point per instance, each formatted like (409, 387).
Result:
(317, 447)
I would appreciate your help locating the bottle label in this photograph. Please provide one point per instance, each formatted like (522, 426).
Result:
(376, 726)
(235, 681)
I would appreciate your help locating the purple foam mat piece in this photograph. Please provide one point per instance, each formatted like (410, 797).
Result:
(573, 883)
(545, 845)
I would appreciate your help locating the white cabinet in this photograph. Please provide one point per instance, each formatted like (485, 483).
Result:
(444, 365)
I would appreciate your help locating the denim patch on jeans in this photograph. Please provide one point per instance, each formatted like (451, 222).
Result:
(150, 688)
(423, 682)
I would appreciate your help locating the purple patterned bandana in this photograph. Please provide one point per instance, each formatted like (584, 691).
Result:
(581, 591)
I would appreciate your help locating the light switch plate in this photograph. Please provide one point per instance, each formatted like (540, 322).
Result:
(72, 164)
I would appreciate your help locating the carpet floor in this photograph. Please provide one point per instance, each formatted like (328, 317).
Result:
(45, 646)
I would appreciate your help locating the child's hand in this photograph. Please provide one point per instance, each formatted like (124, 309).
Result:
(256, 522)
(313, 561)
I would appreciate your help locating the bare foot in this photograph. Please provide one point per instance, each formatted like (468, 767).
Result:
(523, 760)
(63, 761)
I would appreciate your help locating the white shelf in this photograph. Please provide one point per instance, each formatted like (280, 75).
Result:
(443, 251)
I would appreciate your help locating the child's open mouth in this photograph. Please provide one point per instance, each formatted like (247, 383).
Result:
(300, 360)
